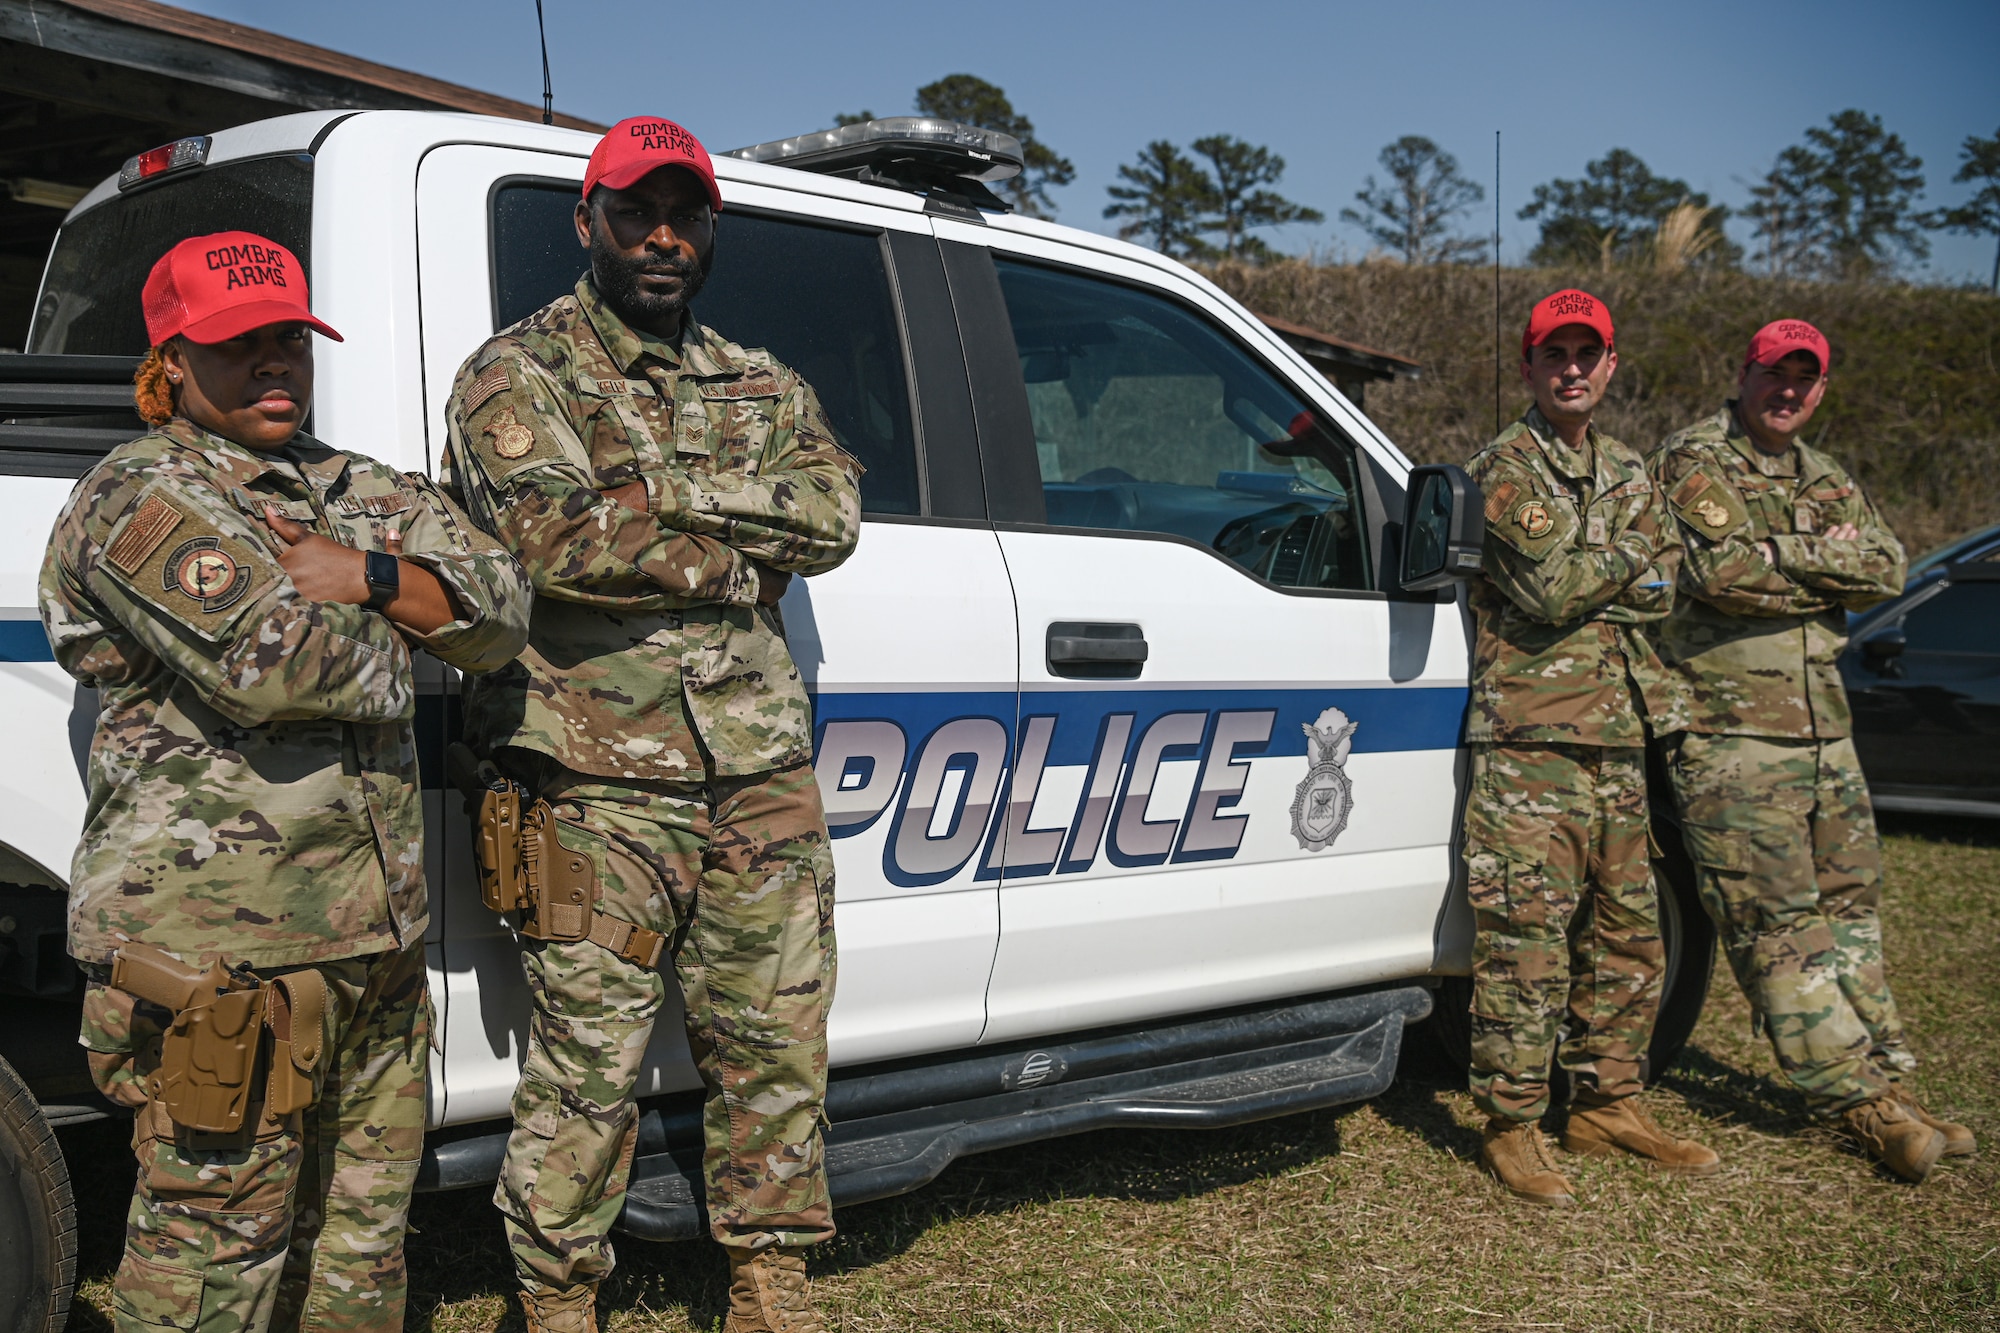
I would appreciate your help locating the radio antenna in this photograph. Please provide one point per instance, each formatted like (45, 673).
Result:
(1496, 280)
(548, 89)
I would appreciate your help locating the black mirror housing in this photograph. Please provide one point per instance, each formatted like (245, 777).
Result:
(1444, 528)
(1884, 645)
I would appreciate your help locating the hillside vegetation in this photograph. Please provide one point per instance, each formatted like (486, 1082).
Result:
(1913, 409)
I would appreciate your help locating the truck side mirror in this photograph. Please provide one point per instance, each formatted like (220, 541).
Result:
(1444, 527)
(1882, 649)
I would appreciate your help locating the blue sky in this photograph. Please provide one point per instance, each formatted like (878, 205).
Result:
(1704, 91)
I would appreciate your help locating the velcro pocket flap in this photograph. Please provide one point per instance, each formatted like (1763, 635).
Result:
(1718, 848)
(173, 557)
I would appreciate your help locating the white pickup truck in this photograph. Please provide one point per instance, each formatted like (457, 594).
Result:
(1138, 717)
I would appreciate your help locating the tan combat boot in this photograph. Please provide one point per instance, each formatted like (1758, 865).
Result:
(1894, 1137)
(571, 1311)
(1515, 1152)
(1601, 1126)
(1958, 1140)
(768, 1293)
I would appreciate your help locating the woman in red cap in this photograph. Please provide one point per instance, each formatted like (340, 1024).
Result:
(248, 896)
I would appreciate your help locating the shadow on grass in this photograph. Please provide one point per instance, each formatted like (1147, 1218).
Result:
(1723, 1092)
(459, 1253)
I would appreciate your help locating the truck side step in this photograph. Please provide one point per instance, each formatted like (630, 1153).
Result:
(1220, 1071)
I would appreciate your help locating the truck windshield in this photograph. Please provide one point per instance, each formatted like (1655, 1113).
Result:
(90, 297)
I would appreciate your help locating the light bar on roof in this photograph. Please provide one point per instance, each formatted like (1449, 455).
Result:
(965, 150)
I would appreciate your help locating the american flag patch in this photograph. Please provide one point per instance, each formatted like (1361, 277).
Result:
(143, 534)
(1503, 496)
(492, 380)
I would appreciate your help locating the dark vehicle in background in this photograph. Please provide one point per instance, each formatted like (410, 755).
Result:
(1923, 674)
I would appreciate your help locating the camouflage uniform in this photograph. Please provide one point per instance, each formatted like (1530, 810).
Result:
(254, 797)
(658, 709)
(1773, 804)
(1579, 558)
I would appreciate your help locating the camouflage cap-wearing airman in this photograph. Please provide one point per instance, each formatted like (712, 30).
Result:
(647, 645)
(247, 734)
(1580, 556)
(1753, 647)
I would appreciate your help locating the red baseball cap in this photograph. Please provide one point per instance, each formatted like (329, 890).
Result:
(1780, 338)
(210, 288)
(640, 145)
(1565, 307)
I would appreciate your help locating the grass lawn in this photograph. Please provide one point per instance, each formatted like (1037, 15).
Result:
(1375, 1216)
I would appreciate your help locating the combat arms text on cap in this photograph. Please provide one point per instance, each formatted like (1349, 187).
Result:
(1780, 338)
(640, 145)
(211, 288)
(1565, 307)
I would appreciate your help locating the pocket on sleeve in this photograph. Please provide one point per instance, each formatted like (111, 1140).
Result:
(173, 557)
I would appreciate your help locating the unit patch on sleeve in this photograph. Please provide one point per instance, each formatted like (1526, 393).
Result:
(1533, 519)
(201, 569)
(203, 579)
(511, 439)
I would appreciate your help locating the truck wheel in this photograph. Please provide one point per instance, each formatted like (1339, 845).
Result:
(1689, 937)
(37, 1216)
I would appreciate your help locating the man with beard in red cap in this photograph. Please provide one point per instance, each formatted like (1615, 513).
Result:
(661, 486)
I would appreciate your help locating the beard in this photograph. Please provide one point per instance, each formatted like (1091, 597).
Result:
(618, 277)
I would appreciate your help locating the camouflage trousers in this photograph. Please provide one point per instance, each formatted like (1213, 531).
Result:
(1783, 839)
(739, 876)
(292, 1223)
(1566, 922)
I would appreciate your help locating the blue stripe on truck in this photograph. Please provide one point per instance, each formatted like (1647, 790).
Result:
(24, 641)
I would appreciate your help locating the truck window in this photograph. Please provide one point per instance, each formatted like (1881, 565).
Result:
(816, 297)
(1147, 419)
(90, 296)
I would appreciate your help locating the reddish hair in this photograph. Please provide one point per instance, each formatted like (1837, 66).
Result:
(151, 392)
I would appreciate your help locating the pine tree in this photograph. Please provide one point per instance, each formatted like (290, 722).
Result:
(1614, 212)
(1236, 204)
(1167, 199)
(1842, 204)
(1979, 160)
(1412, 213)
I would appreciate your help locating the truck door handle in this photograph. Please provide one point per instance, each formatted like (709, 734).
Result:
(1096, 651)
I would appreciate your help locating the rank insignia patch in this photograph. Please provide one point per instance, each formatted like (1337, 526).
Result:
(1533, 518)
(201, 569)
(511, 439)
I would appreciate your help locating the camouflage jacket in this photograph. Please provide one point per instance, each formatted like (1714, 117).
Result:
(647, 646)
(1753, 645)
(1580, 559)
(253, 777)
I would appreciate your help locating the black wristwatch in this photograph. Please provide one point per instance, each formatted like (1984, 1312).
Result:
(385, 578)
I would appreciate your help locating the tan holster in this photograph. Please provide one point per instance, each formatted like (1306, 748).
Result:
(210, 1051)
(526, 868)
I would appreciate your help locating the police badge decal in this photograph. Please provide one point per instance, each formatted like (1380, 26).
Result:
(1325, 796)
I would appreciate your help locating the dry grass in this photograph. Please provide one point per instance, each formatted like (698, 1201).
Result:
(1373, 1217)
